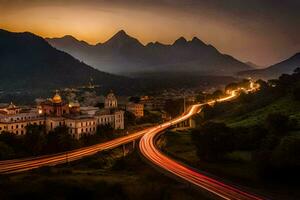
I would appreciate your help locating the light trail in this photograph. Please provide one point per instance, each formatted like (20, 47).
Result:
(150, 151)
(24, 164)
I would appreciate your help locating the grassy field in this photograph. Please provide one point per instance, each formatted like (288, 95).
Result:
(107, 175)
(285, 105)
(237, 169)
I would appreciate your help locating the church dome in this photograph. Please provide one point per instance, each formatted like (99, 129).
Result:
(11, 105)
(56, 98)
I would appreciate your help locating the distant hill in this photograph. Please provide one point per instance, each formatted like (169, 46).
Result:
(123, 53)
(29, 62)
(285, 67)
(254, 66)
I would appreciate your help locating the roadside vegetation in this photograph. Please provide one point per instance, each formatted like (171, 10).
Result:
(150, 117)
(253, 140)
(36, 142)
(106, 175)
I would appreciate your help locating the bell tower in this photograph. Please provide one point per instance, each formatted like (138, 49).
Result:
(110, 101)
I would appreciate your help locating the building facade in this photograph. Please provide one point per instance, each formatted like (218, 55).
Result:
(55, 112)
(110, 101)
(14, 119)
(135, 108)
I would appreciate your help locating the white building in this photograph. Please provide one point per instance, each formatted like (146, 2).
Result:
(14, 120)
(80, 122)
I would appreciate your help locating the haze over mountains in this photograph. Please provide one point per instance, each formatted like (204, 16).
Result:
(30, 62)
(254, 66)
(274, 71)
(30, 67)
(123, 53)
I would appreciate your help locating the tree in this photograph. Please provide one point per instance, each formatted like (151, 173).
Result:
(135, 99)
(245, 98)
(208, 112)
(231, 86)
(129, 118)
(286, 154)
(279, 156)
(66, 141)
(34, 139)
(212, 140)
(201, 97)
(9, 138)
(60, 140)
(262, 84)
(296, 93)
(277, 123)
(149, 117)
(6, 152)
(217, 94)
(105, 130)
(174, 107)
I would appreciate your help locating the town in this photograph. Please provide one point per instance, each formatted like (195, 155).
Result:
(166, 100)
(84, 120)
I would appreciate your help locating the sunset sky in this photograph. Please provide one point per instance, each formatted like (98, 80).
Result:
(261, 31)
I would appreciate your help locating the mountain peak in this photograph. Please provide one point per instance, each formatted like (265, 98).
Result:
(196, 40)
(155, 44)
(69, 37)
(180, 41)
(68, 40)
(121, 37)
(24, 55)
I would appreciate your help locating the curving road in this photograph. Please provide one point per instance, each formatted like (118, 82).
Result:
(148, 149)
(19, 165)
(152, 153)
(24, 164)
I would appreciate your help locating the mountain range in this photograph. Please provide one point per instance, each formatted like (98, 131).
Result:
(30, 62)
(30, 67)
(125, 54)
(274, 71)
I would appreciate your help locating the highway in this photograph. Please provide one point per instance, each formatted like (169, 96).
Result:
(19, 165)
(150, 151)
(24, 164)
(147, 148)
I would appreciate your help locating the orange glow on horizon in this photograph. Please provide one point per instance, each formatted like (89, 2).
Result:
(97, 21)
(92, 25)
